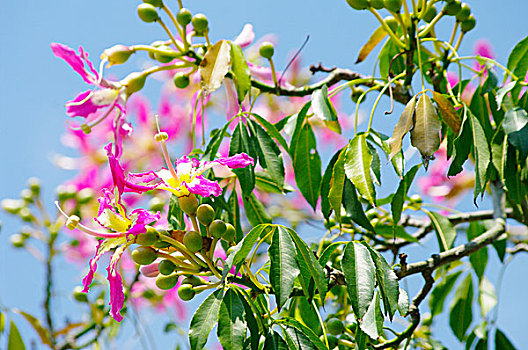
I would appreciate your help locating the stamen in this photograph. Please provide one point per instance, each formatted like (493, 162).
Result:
(72, 222)
(83, 228)
(160, 137)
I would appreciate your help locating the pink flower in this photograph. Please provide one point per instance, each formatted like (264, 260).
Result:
(482, 48)
(246, 36)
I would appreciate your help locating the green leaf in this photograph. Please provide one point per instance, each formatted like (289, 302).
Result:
(2, 322)
(353, 207)
(369, 324)
(502, 342)
(204, 319)
(441, 291)
(478, 259)
(403, 303)
(425, 134)
(403, 126)
(234, 215)
(357, 167)
(241, 74)
(270, 157)
(479, 108)
(215, 65)
(283, 268)
(387, 282)
(501, 93)
(461, 314)
(297, 340)
(306, 163)
(301, 329)
(324, 109)
(518, 62)
(306, 256)
(382, 141)
(360, 272)
(216, 140)
(375, 166)
(240, 144)
(275, 342)
(255, 210)
(445, 232)
(272, 130)
(387, 57)
(401, 193)
(231, 321)
(265, 183)
(43, 333)
(462, 146)
(377, 36)
(327, 253)
(514, 120)
(487, 296)
(337, 183)
(14, 341)
(175, 214)
(326, 184)
(481, 154)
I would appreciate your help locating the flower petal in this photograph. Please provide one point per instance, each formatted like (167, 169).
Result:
(82, 105)
(76, 62)
(117, 297)
(204, 187)
(241, 160)
(87, 280)
(143, 218)
(246, 36)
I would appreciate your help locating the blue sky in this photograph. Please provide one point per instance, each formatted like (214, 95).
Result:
(35, 86)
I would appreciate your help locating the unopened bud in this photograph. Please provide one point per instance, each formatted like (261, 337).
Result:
(181, 80)
(229, 233)
(166, 282)
(430, 14)
(453, 8)
(17, 240)
(200, 23)
(134, 82)
(464, 13)
(147, 13)
(157, 3)
(186, 292)
(27, 195)
(468, 24)
(156, 204)
(266, 50)
(188, 204)
(393, 5)
(13, 206)
(79, 295)
(193, 241)
(166, 267)
(205, 214)
(217, 228)
(147, 238)
(85, 195)
(117, 54)
(25, 215)
(184, 17)
(358, 4)
(34, 185)
(377, 4)
(144, 255)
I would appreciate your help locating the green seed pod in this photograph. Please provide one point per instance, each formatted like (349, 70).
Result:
(147, 13)
(229, 233)
(335, 326)
(166, 282)
(468, 24)
(193, 241)
(266, 50)
(393, 5)
(358, 4)
(34, 185)
(85, 195)
(181, 80)
(166, 267)
(186, 292)
(377, 4)
(205, 214)
(200, 23)
(134, 82)
(193, 281)
(144, 255)
(157, 3)
(184, 17)
(79, 295)
(391, 22)
(453, 8)
(148, 238)
(117, 54)
(17, 240)
(217, 228)
(188, 204)
(430, 14)
(464, 13)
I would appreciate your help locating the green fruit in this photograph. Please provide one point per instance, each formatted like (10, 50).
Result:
(186, 292)
(166, 267)
(205, 214)
(184, 17)
(266, 50)
(166, 282)
(157, 3)
(391, 22)
(229, 233)
(188, 204)
(217, 228)
(79, 295)
(464, 13)
(335, 326)
(453, 8)
(144, 255)
(393, 5)
(147, 13)
(200, 23)
(148, 238)
(468, 24)
(181, 80)
(193, 281)
(377, 4)
(358, 4)
(430, 14)
(193, 241)
(134, 82)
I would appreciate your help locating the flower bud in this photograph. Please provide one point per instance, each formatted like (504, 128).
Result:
(147, 13)
(34, 185)
(464, 13)
(147, 238)
(377, 4)
(430, 14)
(26, 232)
(144, 255)
(184, 17)
(393, 5)
(188, 204)
(468, 24)
(181, 80)
(72, 222)
(163, 58)
(17, 240)
(356, 93)
(149, 270)
(200, 23)
(193, 281)
(166, 267)
(25, 215)
(217, 228)
(229, 233)
(79, 295)
(117, 54)
(193, 241)
(65, 192)
(358, 4)
(157, 3)
(27, 195)
(205, 214)
(85, 195)
(134, 82)
(266, 50)
(13, 206)
(166, 282)
(453, 8)
(186, 292)
(391, 22)
(335, 326)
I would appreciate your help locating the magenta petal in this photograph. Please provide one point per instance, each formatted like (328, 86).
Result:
(118, 174)
(241, 160)
(75, 61)
(246, 36)
(117, 297)
(76, 109)
(144, 217)
(203, 187)
(87, 280)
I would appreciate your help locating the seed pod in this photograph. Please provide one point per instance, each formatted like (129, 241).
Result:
(468, 24)
(186, 292)
(430, 14)
(193, 281)
(166, 282)
(393, 5)
(266, 50)
(188, 204)
(464, 13)
(181, 80)
(147, 13)
(217, 228)
(184, 17)
(166, 267)
(144, 255)
(358, 4)
(205, 214)
(200, 23)
(229, 233)
(193, 241)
